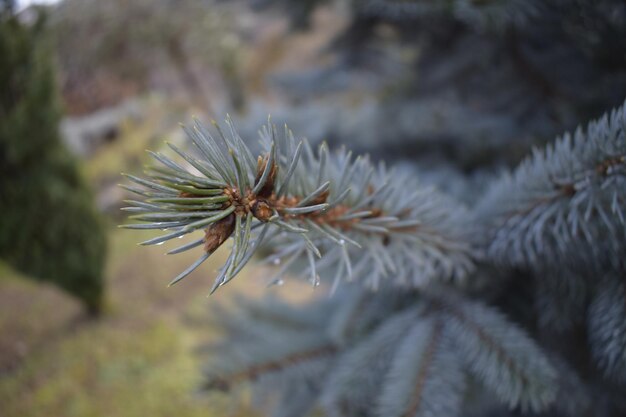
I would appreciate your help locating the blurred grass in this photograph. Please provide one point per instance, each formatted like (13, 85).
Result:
(158, 121)
(136, 361)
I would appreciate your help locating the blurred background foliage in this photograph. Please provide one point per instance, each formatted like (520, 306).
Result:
(133, 43)
(84, 92)
(49, 228)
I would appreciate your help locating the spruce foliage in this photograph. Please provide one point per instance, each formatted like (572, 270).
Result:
(417, 345)
(49, 227)
(504, 299)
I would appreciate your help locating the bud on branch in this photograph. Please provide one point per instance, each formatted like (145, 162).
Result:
(330, 208)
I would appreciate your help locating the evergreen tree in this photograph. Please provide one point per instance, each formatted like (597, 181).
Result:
(497, 299)
(49, 227)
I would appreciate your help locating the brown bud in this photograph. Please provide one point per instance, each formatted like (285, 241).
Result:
(260, 163)
(376, 212)
(268, 187)
(218, 232)
(261, 210)
(320, 199)
(567, 189)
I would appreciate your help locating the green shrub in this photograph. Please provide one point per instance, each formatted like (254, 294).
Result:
(49, 228)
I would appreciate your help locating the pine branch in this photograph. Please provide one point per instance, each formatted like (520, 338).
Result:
(423, 375)
(355, 383)
(498, 353)
(568, 199)
(322, 208)
(253, 372)
(412, 362)
(264, 341)
(607, 328)
(425, 378)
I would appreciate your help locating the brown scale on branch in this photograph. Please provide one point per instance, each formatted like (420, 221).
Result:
(567, 190)
(217, 233)
(605, 166)
(268, 188)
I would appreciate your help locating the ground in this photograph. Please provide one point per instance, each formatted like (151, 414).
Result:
(137, 360)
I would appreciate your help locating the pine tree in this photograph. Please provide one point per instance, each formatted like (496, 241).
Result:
(504, 299)
(49, 227)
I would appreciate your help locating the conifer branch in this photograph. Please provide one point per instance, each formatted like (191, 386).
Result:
(498, 353)
(326, 209)
(413, 363)
(350, 388)
(265, 339)
(425, 378)
(422, 376)
(607, 328)
(250, 374)
(566, 199)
